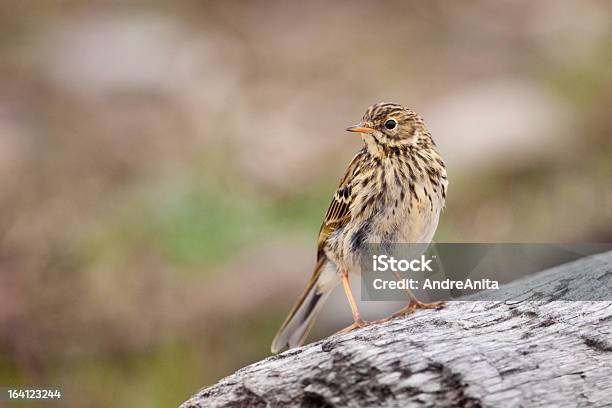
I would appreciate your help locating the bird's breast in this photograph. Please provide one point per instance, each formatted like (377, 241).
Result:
(397, 201)
(403, 203)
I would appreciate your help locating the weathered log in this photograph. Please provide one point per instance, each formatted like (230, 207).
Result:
(538, 352)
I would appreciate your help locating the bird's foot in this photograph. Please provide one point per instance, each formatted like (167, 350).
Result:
(414, 305)
(410, 309)
(358, 323)
(405, 311)
(420, 305)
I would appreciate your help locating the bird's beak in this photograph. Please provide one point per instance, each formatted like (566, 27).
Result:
(360, 128)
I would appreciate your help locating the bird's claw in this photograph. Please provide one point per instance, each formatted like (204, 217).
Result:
(433, 305)
(357, 324)
(405, 311)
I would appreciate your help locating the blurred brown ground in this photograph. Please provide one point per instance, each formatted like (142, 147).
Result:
(164, 168)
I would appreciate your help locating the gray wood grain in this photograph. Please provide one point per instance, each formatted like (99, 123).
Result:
(533, 351)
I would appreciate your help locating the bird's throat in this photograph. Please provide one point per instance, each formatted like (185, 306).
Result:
(373, 144)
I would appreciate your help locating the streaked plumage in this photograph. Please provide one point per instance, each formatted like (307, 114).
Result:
(393, 191)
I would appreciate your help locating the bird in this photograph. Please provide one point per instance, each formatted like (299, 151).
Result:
(393, 191)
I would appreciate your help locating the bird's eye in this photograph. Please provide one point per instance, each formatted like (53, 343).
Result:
(390, 124)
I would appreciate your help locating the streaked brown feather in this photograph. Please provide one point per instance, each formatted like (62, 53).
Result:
(339, 211)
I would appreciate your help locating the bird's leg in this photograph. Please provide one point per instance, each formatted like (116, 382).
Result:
(412, 306)
(416, 303)
(358, 320)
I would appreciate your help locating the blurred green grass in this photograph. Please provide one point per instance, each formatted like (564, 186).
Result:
(201, 225)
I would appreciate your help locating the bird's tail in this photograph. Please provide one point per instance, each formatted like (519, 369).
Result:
(297, 325)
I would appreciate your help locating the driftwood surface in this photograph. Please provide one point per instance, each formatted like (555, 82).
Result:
(538, 352)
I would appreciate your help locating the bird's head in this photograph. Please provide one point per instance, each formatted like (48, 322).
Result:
(390, 125)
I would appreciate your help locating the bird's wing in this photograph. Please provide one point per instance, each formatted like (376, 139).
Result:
(297, 325)
(339, 211)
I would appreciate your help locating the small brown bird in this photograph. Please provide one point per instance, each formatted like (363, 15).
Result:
(392, 192)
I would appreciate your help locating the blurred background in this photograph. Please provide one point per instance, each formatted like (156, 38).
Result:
(164, 168)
